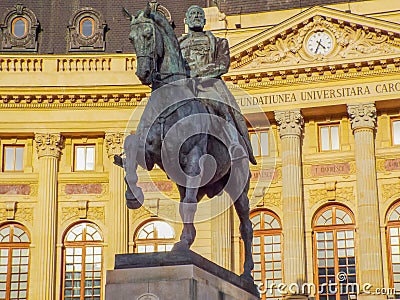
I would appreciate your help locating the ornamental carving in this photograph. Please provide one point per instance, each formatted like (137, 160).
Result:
(390, 190)
(24, 214)
(289, 122)
(362, 115)
(271, 198)
(24, 41)
(94, 41)
(48, 144)
(114, 142)
(351, 40)
(20, 214)
(93, 213)
(319, 195)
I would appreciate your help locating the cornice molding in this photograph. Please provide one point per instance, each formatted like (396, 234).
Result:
(260, 78)
(71, 100)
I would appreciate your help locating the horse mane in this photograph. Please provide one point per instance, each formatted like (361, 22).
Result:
(165, 26)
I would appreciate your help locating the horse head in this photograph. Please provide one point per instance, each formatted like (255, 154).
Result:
(148, 44)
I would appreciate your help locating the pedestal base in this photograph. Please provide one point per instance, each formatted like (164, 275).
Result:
(371, 297)
(296, 297)
(172, 276)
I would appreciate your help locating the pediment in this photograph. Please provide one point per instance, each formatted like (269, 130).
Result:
(287, 45)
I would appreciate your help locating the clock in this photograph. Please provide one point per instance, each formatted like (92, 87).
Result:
(319, 42)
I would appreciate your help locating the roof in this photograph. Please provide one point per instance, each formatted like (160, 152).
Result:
(235, 7)
(54, 17)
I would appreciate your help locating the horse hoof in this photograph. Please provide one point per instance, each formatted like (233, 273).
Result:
(133, 204)
(181, 246)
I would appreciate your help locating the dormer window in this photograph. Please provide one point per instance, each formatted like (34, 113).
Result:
(19, 30)
(87, 31)
(87, 27)
(19, 27)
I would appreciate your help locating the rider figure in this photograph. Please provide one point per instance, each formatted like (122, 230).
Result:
(207, 57)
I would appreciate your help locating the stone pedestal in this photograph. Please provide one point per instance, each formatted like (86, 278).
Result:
(174, 275)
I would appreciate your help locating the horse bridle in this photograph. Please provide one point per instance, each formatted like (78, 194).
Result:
(155, 72)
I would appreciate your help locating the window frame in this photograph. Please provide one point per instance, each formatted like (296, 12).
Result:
(92, 21)
(16, 245)
(258, 133)
(334, 228)
(26, 24)
(155, 241)
(391, 224)
(83, 244)
(392, 121)
(15, 146)
(75, 156)
(329, 125)
(262, 233)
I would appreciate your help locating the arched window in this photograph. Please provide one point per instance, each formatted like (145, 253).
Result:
(393, 237)
(155, 236)
(86, 30)
(334, 253)
(267, 252)
(19, 27)
(20, 30)
(14, 262)
(87, 27)
(83, 263)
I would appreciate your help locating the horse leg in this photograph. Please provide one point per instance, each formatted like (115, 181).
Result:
(189, 198)
(246, 231)
(133, 195)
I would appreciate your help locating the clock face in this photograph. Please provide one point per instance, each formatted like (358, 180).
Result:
(320, 43)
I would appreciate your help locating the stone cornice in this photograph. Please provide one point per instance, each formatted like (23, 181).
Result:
(114, 142)
(362, 115)
(48, 144)
(314, 73)
(290, 122)
(71, 100)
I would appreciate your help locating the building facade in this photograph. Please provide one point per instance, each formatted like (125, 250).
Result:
(319, 86)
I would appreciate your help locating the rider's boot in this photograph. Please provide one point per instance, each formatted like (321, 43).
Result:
(134, 195)
(236, 150)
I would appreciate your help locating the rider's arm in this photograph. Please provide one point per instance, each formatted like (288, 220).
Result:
(221, 61)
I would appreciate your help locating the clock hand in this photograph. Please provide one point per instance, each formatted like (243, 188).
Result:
(316, 49)
(319, 43)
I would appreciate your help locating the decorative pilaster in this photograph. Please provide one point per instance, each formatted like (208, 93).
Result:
(118, 211)
(290, 130)
(222, 232)
(48, 146)
(363, 122)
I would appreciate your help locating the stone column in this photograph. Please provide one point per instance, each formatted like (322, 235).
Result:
(118, 212)
(363, 122)
(48, 148)
(290, 131)
(222, 232)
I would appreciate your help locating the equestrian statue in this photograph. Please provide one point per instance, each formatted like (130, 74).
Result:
(191, 126)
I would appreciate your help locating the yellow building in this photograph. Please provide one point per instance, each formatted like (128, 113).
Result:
(326, 192)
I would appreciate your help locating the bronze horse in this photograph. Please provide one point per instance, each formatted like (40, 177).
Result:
(161, 65)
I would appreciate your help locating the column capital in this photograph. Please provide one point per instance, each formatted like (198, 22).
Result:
(48, 144)
(290, 122)
(362, 115)
(114, 142)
